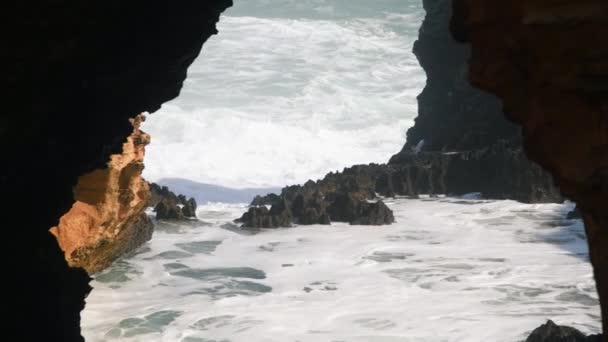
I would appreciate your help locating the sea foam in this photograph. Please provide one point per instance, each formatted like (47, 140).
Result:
(448, 270)
(280, 96)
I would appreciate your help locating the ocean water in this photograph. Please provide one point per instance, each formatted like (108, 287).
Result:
(447, 270)
(290, 90)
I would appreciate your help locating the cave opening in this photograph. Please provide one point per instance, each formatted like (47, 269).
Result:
(284, 117)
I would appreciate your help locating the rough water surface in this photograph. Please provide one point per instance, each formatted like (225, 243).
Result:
(291, 90)
(447, 270)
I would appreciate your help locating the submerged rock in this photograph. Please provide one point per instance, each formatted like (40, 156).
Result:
(551, 332)
(169, 206)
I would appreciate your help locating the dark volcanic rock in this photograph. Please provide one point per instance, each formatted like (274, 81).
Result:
(340, 196)
(346, 208)
(260, 217)
(374, 214)
(498, 172)
(551, 332)
(269, 199)
(169, 206)
(452, 114)
(189, 207)
(166, 210)
(461, 142)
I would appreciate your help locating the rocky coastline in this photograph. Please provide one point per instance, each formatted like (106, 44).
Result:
(169, 206)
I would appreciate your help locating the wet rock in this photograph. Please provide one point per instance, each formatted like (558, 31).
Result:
(279, 215)
(341, 196)
(189, 208)
(167, 210)
(107, 219)
(169, 206)
(269, 199)
(374, 214)
(461, 142)
(551, 332)
(258, 217)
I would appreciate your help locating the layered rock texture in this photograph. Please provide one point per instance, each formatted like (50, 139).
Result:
(461, 142)
(341, 196)
(108, 219)
(547, 61)
(169, 206)
(73, 74)
(551, 332)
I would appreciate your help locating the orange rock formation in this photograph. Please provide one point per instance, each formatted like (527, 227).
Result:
(108, 219)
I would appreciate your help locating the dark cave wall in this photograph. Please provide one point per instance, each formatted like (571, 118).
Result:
(74, 74)
(452, 115)
(485, 148)
(548, 61)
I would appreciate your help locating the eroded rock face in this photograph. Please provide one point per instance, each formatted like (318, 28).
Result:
(108, 219)
(547, 61)
(74, 72)
(452, 115)
(461, 141)
(497, 172)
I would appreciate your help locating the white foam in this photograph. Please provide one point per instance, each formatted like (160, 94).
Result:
(275, 101)
(448, 270)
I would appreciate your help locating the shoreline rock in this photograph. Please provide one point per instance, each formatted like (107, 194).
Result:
(551, 332)
(169, 206)
(341, 197)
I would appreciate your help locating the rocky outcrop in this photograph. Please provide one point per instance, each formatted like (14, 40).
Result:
(73, 74)
(108, 219)
(452, 115)
(169, 206)
(547, 61)
(497, 172)
(341, 197)
(461, 142)
(551, 332)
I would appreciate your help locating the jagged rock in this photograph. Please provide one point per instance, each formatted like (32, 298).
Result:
(166, 210)
(551, 332)
(497, 172)
(189, 208)
(461, 142)
(269, 199)
(340, 196)
(260, 217)
(374, 214)
(347, 208)
(108, 220)
(169, 206)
